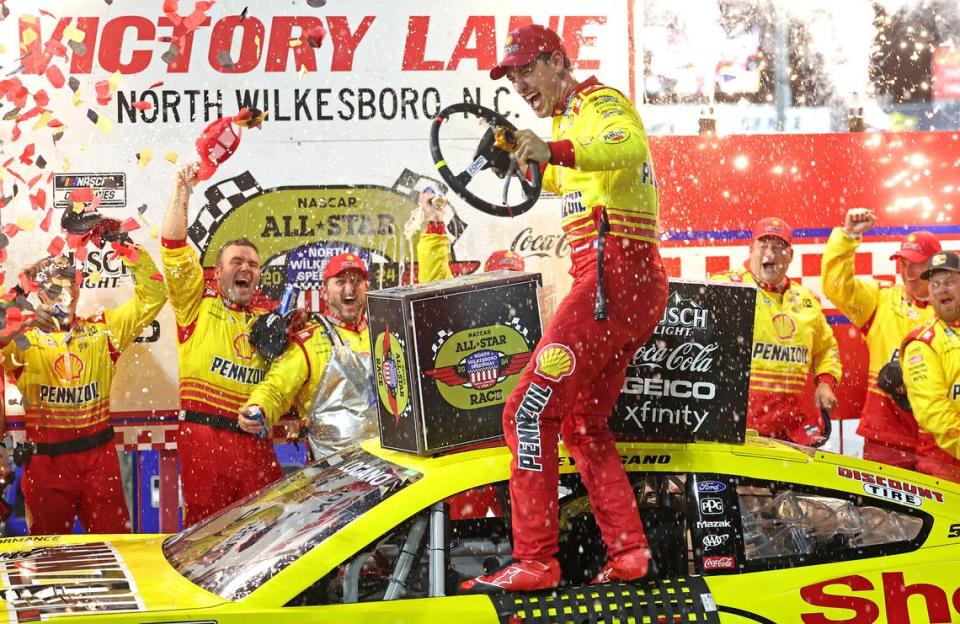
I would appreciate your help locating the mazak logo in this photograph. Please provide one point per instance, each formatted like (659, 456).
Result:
(719, 563)
(710, 487)
(713, 524)
(711, 506)
(713, 541)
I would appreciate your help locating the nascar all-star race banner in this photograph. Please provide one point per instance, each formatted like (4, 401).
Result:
(112, 95)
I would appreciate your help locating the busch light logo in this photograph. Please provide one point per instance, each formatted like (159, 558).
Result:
(686, 313)
(710, 487)
(483, 368)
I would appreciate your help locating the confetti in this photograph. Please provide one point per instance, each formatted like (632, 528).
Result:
(155, 85)
(295, 43)
(171, 157)
(42, 121)
(156, 277)
(130, 224)
(171, 54)
(81, 253)
(56, 246)
(141, 209)
(82, 194)
(39, 200)
(74, 84)
(45, 224)
(41, 162)
(73, 33)
(78, 48)
(26, 157)
(41, 97)
(315, 36)
(142, 105)
(55, 76)
(102, 88)
(94, 276)
(26, 223)
(115, 81)
(223, 58)
(144, 157)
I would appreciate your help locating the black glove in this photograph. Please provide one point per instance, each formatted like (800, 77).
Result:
(890, 380)
(271, 333)
(497, 159)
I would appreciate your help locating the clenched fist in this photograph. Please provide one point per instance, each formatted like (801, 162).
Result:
(858, 221)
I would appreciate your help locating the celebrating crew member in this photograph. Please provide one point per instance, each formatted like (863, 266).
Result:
(885, 312)
(219, 463)
(599, 162)
(63, 365)
(433, 248)
(330, 386)
(791, 339)
(931, 362)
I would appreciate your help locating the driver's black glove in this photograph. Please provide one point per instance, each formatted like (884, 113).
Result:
(890, 380)
(271, 333)
(498, 160)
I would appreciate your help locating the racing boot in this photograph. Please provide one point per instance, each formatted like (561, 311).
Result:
(517, 576)
(629, 566)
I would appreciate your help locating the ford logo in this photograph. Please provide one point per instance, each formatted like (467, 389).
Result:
(711, 487)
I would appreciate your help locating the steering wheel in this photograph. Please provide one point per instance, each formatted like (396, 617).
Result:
(493, 152)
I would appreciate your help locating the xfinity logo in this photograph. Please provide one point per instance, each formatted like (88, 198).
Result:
(711, 506)
(710, 487)
(714, 541)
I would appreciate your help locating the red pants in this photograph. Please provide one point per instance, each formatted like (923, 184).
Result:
(781, 415)
(57, 489)
(889, 455)
(218, 467)
(569, 388)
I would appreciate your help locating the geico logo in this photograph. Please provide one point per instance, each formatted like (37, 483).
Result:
(679, 388)
(892, 601)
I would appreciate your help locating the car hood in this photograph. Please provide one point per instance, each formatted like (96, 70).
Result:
(45, 576)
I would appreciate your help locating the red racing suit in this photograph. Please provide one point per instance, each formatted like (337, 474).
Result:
(65, 379)
(219, 464)
(931, 372)
(885, 314)
(791, 339)
(600, 164)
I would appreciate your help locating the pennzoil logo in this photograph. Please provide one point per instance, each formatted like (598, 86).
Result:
(556, 361)
(784, 326)
(390, 368)
(68, 367)
(617, 136)
(242, 348)
(480, 366)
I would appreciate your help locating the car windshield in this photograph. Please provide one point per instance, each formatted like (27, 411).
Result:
(234, 552)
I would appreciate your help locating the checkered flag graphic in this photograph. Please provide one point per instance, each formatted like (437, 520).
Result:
(410, 183)
(515, 323)
(221, 199)
(442, 336)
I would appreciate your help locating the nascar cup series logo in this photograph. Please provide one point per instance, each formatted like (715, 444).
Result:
(478, 367)
(390, 368)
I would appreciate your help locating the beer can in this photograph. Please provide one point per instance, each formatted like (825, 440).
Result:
(289, 299)
(257, 415)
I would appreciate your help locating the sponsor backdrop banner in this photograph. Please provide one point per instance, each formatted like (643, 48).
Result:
(689, 382)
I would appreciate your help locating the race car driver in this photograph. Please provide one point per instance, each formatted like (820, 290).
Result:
(791, 339)
(330, 387)
(433, 248)
(219, 463)
(931, 364)
(885, 312)
(63, 365)
(599, 163)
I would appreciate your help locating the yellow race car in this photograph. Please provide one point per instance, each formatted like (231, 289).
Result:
(759, 532)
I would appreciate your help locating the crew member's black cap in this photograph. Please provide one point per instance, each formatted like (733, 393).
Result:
(942, 261)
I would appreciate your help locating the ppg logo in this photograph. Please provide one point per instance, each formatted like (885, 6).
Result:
(711, 506)
(710, 487)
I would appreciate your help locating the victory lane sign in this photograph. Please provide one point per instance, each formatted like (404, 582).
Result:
(690, 381)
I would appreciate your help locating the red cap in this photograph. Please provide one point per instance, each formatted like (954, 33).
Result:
(772, 226)
(504, 260)
(523, 45)
(342, 262)
(917, 246)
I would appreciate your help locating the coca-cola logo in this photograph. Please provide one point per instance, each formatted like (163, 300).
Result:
(529, 244)
(718, 563)
(689, 357)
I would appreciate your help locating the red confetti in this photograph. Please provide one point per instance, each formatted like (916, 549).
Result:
(103, 92)
(81, 254)
(55, 76)
(26, 285)
(27, 156)
(45, 224)
(11, 230)
(55, 48)
(41, 98)
(16, 132)
(126, 251)
(156, 85)
(55, 123)
(155, 277)
(34, 180)
(39, 200)
(130, 225)
(47, 13)
(83, 194)
(141, 105)
(56, 246)
(95, 203)
(75, 241)
(30, 114)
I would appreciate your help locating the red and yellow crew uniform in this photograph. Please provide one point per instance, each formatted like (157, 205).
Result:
(219, 464)
(433, 254)
(791, 339)
(601, 167)
(885, 314)
(65, 378)
(931, 372)
(294, 377)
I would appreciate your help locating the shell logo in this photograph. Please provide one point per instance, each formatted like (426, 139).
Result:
(784, 326)
(938, 259)
(243, 348)
(68, 367)
(555, 361)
